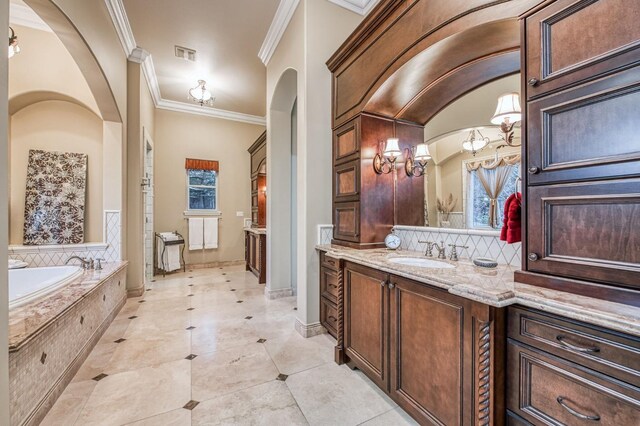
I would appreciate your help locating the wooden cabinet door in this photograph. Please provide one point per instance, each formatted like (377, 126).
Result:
(346, 142)
(587, 231)
(253, 246)
(346, 221)
(430, 365)
(365, 324)
(571, 41)
(587, 132)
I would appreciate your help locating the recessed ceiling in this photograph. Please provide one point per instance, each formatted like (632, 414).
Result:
(227, 36)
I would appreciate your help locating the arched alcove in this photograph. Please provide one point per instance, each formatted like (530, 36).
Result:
(281, 201)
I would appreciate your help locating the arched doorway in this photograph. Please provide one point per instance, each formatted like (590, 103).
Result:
(281, 180)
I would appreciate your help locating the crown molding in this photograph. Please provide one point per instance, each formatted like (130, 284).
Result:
(20, 14)
(210, 112)
(279, 24)
(138, 55)
(361, 7)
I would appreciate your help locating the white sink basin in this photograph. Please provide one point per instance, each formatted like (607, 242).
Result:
(421, 262)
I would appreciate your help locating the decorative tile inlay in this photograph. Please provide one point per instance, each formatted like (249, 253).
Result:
(248, 317)
(262, 340)
(191, 356)
(81, 319)
(240, 301)
(190, 309)
(189, 295)
(133, 317)
(141, 301)
(325, 234)
(233, 289)
(100, 377)
(191, 405)
(282, 377)
(55, 198)
(43, 357)
(190, 327)
(120, 340)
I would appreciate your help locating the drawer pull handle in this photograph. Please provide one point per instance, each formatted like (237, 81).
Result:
(383, 283)
(534, 170)
(563, 342)
(332, 318)
(391, 286)
(533, 257)
(573, 412)
(533, 82)
(333, 286)
(331, 262)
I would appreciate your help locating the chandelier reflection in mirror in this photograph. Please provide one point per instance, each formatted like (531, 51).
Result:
(475, 142)
(13, 43)
(201, 95)
(417, 157)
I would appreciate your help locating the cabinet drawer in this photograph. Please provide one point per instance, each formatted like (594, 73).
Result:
(547, 390)
(588, 231)
(614, 354)
(329, 316)
(347, 221)
(328, 261)
(558, 52)
(346, 142)
(329, 284)
(569, 135)
(347, 181)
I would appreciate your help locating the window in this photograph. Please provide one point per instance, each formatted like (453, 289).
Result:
(479, 205)
(202, 189)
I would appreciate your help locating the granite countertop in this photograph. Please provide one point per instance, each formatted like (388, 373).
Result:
(26, 321)
(259, 231)
(496, 287)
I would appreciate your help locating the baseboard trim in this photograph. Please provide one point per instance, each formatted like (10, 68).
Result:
(40, 411)
(214, 264)
(277, 293)
(135, 292)
(309, 330)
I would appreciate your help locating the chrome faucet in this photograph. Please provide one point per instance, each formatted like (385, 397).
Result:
(442, 253)
(429, 251)
(86, 263)
(454, 253)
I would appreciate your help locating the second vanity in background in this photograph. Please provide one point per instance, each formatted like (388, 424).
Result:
(256, 236)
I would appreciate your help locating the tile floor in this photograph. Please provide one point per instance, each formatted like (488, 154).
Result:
(206, 348)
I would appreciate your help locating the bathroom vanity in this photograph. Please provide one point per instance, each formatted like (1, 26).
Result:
(555, 340)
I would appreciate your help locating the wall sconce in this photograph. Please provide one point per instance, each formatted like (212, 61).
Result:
(416, 162)
(13, 43)
(475, 144)
(264, 191)
(386, 162)
(507, 114)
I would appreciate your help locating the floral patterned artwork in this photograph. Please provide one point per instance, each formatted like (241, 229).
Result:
(55, 196)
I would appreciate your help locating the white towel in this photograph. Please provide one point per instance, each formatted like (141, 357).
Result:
(171, 260)
(196, 236)
(211, 233)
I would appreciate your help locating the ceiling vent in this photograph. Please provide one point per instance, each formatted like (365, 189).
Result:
(185, 53)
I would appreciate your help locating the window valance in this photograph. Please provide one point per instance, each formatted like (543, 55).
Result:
(194, 164)
(491, 164)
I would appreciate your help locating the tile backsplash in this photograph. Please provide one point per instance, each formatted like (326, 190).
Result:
(481, 243)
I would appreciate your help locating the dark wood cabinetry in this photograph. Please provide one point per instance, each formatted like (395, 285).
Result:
(567, 372)
(582, 151)
(256, 254)
(258, 153)
(434, 353)
(330, 293)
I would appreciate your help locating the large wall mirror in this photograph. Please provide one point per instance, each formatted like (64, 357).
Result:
(462, 186)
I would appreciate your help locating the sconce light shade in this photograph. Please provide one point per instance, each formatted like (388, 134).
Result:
(422, 153)
(508, 109)
(392, 149)
(13, 43)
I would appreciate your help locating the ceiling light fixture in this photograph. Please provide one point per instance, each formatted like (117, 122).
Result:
(13, 43)
(475, 144)
(201, 95)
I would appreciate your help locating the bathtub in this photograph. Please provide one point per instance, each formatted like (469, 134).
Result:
(28, 285)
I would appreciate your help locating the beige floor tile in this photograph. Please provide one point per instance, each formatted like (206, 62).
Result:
(294, 353)
(395, 417)
(331, 394)
(274, 327)
(161, 293)
(164, 305)
(139, 394)
(96, 362)
(179, 417)
(231, 370)
(152, 322)
(204, 314)
(116, 330)
(69, 405)
(152, 350)
(206, 296)
(130, 308)
(222, 335)
(267, 404)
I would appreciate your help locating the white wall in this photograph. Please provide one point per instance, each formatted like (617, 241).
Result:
(317, 29)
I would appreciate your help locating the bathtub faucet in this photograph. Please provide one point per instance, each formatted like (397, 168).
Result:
(87, 263)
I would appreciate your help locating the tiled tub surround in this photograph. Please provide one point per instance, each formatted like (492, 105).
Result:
(496, 287)
(481, 243)
(50, 338)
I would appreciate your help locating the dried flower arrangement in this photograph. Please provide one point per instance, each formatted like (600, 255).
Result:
(446, 206)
